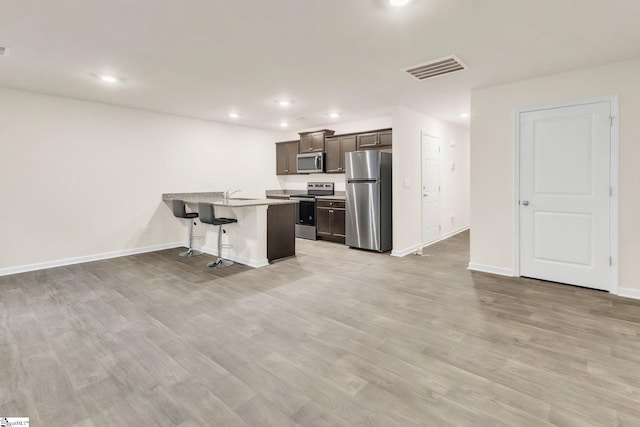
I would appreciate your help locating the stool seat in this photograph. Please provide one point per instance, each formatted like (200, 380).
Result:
(180, 211)
(207, 216)
(223, 221)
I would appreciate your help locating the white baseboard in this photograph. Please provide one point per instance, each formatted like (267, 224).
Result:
(406, 251)
(454, 232)
(629, 293)
(236, 258)
(412, 249)
(89, 258)
(491, 269)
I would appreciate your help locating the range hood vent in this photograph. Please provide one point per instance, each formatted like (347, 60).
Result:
(436, 68)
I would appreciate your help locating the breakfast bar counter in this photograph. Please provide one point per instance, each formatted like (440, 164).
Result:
(265, 230)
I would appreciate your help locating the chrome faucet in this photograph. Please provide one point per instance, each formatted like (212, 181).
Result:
(227, 194)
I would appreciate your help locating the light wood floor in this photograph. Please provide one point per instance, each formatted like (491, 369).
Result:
(333, 337)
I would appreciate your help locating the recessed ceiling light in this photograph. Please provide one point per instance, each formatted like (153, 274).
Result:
(109, 79)
(398, 2)
(284, 124)
(464, 115)
(334, 115)
(284, 102)
(234, 115)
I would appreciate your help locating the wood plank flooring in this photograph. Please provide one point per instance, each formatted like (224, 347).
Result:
(332, 337)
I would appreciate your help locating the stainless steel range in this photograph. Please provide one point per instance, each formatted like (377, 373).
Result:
(306, 212)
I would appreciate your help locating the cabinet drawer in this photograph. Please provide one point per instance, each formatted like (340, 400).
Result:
(335, 204)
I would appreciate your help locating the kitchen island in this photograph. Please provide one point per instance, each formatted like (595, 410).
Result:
(265, 231)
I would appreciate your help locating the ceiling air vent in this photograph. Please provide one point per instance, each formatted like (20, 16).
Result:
(436, 68)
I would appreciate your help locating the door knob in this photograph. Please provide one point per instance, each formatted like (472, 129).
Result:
(525, 202)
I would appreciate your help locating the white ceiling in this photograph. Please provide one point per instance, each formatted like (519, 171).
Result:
(204, 58)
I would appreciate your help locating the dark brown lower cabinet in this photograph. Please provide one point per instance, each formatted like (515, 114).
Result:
(330, 221)
(281, 231)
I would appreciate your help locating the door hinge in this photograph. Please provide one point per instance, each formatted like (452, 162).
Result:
(610, 261)
(439, 228)
(610, 121)
(610, 191)
(439, 189)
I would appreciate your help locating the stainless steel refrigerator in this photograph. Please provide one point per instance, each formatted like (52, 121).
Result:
(368, 200)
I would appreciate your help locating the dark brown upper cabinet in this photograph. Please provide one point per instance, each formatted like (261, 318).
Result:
(286, 153)
(336, 147)
(375, 140)
(313, 141)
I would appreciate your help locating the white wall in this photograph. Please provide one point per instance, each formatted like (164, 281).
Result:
(79, 178)
(408, 126)
(492, 154)
(298, 182)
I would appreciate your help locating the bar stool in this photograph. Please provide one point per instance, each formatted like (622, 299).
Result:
(179, 211)
(207, 216)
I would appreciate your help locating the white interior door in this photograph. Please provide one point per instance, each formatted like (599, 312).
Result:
(565, 185)
(430, 189)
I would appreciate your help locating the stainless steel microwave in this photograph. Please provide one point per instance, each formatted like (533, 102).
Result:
(311, 163)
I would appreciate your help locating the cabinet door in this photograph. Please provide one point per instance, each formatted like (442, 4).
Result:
(306, 141)
(286, 153)
(323, 222)
(367, 140)
(292, 158)
(348, 145)
(333, 157)
(385, 138)
(335, 148)
(317, 141)
(281, 159)
(281, 231)
(311, 142)
(338, 223)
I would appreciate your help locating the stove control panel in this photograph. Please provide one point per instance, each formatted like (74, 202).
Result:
(320, 188)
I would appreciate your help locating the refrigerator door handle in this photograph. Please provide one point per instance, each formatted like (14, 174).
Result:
(361, 180)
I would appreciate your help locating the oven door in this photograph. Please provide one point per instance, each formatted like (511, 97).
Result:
(306, 212)
(305, 217)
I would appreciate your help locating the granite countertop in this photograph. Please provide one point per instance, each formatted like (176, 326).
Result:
(282, 193)
(278, 196)
(334, 197)
(339, 195)
(217, 199)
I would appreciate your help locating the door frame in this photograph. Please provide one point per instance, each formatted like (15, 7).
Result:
(614, 178)
(422, 244)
